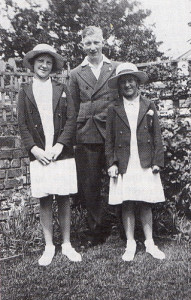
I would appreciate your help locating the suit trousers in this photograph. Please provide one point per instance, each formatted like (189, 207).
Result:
(90, 161)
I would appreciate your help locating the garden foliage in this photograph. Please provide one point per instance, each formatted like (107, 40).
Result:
(167, 82)
(176, 175)
(123, 24)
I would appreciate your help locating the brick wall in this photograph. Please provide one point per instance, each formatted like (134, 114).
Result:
(14, 172)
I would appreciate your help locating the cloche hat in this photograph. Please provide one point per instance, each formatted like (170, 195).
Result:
(126, 69)
(43, 49)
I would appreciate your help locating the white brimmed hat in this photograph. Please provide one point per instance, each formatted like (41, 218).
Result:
(126, 69)
(43, 49)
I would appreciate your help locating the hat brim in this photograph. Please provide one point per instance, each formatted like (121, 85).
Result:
(59, 60)
(113, 81)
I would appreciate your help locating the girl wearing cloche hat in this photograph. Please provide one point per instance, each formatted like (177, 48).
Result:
(47, 123)
(134, 154)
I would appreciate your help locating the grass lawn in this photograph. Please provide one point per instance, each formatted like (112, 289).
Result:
(102, 275)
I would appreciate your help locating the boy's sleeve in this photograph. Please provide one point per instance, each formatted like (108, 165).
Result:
(68, 135)
(74, 91)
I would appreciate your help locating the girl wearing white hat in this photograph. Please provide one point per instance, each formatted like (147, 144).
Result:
(134, 154)
(47, 122)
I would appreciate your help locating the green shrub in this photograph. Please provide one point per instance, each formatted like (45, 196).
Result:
(174, 215)
(176, 175)
(172, 84)
(21, 233)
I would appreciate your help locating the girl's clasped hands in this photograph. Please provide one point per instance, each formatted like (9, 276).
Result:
(46, 157)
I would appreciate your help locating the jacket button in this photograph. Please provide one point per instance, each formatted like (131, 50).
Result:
(59, 115)
(148, 141)
(120, 146)
(145, 127)
(87, 87)
(36, 126)
(121, 132)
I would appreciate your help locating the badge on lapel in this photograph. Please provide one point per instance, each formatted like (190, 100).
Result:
(63, 95)
(150, 115)
(65, 99)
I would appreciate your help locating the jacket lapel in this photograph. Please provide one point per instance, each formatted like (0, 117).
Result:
(120, 110)
(57, 90)
(87, 75)
(144, 105)
(30, 95)
(105, 74)
(29, 92)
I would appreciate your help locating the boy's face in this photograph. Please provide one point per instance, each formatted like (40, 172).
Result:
(43, 66)
(92, 46)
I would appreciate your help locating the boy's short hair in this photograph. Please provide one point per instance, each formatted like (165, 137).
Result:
(89, 30)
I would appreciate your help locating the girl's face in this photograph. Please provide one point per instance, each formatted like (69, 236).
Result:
(43, 66)
(128, 86)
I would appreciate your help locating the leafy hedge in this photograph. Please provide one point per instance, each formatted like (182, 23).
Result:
(173, 85)
(176, 175)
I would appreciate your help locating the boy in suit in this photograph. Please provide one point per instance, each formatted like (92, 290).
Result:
(92, 96)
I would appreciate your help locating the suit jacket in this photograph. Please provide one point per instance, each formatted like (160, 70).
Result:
(91, 99)
(118, 136)
(64, 115)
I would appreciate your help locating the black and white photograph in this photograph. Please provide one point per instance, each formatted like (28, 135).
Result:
(95, 149)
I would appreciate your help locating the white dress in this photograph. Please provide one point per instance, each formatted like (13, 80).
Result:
(58, 177)
(137, 184)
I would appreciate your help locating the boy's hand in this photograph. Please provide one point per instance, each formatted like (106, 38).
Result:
(113, 171)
